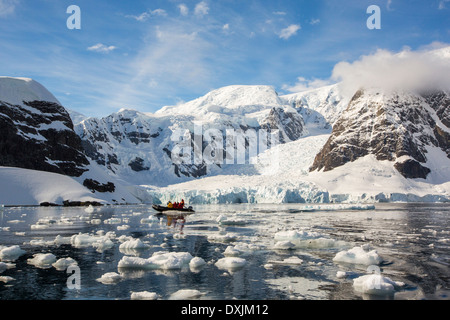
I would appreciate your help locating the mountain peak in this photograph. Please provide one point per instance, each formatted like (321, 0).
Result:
(15, 91)
(236, 99)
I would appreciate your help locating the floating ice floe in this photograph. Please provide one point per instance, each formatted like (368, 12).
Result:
(305, 239)
(42, 260)
(5, 266)
(6, 279)
(89, 209)
(133, 247)
(284, 245)
(159, 260)
(242, 249)
(288, 261)
(376, 284)
(149, 220)
(64, 263)
(100, 242)
(110, 278)
(113, 221)
(11, 253)
(228, 237)
(144, 295)
(358, 255)
(231, 221)
(197, 263)
(186, 294)
(231, 263)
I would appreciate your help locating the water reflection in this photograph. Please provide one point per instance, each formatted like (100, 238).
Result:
(412, 239)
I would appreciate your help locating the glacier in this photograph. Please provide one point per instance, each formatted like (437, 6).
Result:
(134, 149)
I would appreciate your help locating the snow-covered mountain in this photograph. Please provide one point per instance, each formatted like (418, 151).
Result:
(36, 132)
(374, 146)
(138, 147)
(38, 140)
(401, 127)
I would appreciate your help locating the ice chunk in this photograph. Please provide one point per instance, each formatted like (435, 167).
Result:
(10, 253)
(358, 255)
(59, 240)
(63, 263)
(376, 284)
(149, 220)
(113, 221)
(100, 242)
(110, 278)
(307, 239)
(196, 263)
(185, 294)
(133, 244)
(222, 237)
(3, 267)
(231, 263)
(144, 295)
(42, 260)
(284, 245)
(159, 260)
(341, 274)
(232, 221)
(242, 249)
(6, 279)
(89, 209)
(132, 247)
(288, 261)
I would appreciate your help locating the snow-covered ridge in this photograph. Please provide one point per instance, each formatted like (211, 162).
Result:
(236, 100)
(17, 90)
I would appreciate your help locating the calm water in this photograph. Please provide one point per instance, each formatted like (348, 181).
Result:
(412, 239)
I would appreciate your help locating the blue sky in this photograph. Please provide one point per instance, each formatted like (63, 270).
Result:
(147, 54)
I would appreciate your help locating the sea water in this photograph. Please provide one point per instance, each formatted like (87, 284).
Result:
(224, 252)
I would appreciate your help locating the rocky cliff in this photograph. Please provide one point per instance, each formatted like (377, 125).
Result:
(395, 126)
(37, 134)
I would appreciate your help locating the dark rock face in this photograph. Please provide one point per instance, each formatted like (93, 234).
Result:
(39, 135)
(94, 185)
(412, 169)
(389, 127)
(291, 125)
(138, 165)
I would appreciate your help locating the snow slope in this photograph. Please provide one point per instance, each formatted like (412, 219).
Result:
(283, 177)
(17, 90)
(31, 187)
(136, 146)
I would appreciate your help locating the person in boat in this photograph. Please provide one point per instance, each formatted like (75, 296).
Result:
(169, 205)
(182, 204)
(176, 205)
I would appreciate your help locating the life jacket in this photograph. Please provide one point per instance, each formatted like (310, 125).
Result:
(170, 205)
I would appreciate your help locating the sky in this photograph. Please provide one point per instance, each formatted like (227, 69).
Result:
(146, 54)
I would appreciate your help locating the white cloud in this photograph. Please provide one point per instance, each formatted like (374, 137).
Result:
(304, 84)
(388, 6)
(184, 10)
(279, 13)
(289, 31)
(442, 4)
(201, 9)
(148, 14)
(7, 7)
(406, 70)
(175, 59)
(314, 21)
(100, 47)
